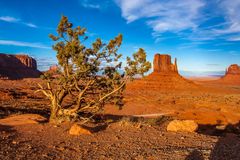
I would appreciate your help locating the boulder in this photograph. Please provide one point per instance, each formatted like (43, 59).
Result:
(182, 126)
(18, 67)
(77, 130)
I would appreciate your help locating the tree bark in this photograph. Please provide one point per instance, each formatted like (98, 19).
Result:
(54, 110)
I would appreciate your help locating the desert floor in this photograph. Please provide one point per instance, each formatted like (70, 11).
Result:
(213, 105)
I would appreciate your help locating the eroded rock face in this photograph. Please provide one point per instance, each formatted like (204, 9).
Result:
(233, 69)
(27, 61)
(162, 63)
(18, 67)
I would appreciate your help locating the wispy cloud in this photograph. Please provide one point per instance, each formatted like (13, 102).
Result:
(94, 4)
(192, 20)
(213, 64)
(90, 6)
(23, 44)
(45, 62)
(231, 14)
(31, 25)
(10, 19)
(234, 38)
(234, 53)
(162, 16)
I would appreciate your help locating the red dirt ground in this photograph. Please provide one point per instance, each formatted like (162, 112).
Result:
(209, 103)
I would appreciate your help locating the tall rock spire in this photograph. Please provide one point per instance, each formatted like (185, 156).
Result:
(162, 64)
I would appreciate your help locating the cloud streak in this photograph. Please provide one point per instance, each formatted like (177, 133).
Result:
(189, 17)
(10, 19)
(162, 16)
(24, 44)
(94, 4)
(231, 15)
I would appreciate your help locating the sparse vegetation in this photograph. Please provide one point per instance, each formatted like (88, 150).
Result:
(90, 77)
(138, 122)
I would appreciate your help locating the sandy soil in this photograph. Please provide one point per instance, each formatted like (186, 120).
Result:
(210, 104)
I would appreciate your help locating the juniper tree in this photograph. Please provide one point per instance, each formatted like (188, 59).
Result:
(89, 77)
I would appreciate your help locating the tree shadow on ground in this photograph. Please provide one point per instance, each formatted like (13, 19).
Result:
(6, 111)
(195, 155)
(5, 128)
(227, 146)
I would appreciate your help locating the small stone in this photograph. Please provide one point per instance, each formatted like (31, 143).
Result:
(78, 130)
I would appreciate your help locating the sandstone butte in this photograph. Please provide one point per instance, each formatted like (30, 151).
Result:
(164, 75)
(53, 68)
(18, 67)
(232, 75)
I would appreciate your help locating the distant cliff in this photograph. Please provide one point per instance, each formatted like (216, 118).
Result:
(18, 67)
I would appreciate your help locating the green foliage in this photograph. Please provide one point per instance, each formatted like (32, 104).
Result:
(139, 65)
(89, 77)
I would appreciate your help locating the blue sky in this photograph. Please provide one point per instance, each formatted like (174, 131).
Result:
(204, 35)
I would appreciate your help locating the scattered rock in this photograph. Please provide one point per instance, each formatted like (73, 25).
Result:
(78, 130)
(23, 119)
(182, 126)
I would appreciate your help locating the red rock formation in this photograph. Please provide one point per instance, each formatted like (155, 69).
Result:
(53, 68)
(162, 63)
(18, 67)
(232, 75)
(53, 71)
(233, 69)
(164, 75)
(27, 61)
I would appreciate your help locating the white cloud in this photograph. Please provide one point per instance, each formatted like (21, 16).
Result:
(231, 14)
(16, 20)
(162, 16)
(31, 25)
(24, 44)
(94, 4)
(177, 16)
(9, 19)
(234, 39)
(90, 6)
